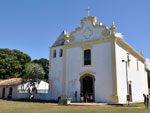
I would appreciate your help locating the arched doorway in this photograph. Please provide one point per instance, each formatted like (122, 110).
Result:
(87, 86)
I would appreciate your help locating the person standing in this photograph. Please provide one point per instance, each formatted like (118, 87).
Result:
(147, 101)
(81, 97)
(144, 99)
(86, 97)
(75, 95)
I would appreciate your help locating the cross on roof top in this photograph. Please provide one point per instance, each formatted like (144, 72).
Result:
(88, 9)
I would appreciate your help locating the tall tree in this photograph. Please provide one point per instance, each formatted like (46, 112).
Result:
(45, 64)
(33, 75)
(12, 63)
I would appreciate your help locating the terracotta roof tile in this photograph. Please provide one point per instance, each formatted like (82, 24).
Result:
(10, 82)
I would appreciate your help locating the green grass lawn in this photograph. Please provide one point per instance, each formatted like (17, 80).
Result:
(30, 107)
(137, 104)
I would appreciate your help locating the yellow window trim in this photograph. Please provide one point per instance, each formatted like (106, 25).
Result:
(83, 49)
(87, 72)
(64, 74)
(50, 57)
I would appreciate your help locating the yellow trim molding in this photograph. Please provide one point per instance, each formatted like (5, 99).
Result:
(113, 28)
(93, 42)
(87, 47)
(128, 59)
(114, 98)
(105, 32)
(141, 53)
(87, 72)
(145, 67)
(50, 57)
(137, 63)
(64, 74)
(106, 40)
(130, 49)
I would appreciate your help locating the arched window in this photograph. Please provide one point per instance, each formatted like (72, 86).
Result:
(54, 54)
(87, 57)
(61, 53)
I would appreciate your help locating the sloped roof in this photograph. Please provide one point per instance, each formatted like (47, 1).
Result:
(10, 82)
(61, 39)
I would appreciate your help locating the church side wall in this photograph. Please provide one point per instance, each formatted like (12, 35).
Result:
(56, 74)
(137, 77)
(101, 66)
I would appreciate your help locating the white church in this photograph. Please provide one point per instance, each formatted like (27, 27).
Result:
(94, 60)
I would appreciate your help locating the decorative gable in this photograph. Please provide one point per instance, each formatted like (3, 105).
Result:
(89, 30)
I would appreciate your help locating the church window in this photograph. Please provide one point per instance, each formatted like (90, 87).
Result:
(54, 54)
(87, 57)
(61, 53)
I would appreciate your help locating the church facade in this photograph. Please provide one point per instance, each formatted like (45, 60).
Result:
(93, 60)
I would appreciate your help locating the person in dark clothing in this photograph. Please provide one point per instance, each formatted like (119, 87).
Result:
(147, 101)
(86, 97)
(58, 99)
(144, 99)
(76, 94)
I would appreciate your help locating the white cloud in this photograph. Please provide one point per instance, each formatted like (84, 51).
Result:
(147, 63)
(119, 35)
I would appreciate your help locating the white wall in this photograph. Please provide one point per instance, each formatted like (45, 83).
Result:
(56, 74)
(138, 78)
(43, 86)
(15, 93)
(40, 94)
(101, 59)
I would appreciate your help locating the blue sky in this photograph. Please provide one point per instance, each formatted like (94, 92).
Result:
(32, 26)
